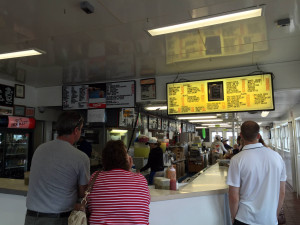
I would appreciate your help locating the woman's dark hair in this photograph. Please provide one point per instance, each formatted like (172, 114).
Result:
(260, 140)
(67, 122)
(114, 156)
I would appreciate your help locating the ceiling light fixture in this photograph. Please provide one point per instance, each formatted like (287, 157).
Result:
(203, 121)
(200, 127)
(216, 124)
(151, 108)
(219, 19)
(196, 117)
(264, 113)
(119, 131)
(22, 53)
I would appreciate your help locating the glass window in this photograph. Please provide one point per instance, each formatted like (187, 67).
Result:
(273, 138)
(284, 137)
(277, 138)
(298, 134)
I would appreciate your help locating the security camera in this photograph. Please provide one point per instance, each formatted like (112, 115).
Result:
(87, 7)
(283, 22)
(41, 109)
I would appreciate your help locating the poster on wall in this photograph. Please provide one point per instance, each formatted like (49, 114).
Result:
(148, 89)
(165, 125)
(75, 97)
(6, 95)
(97, 96)
(127, 117)
(120, 94)
(153, 123)
(96, 115)
(233, 94)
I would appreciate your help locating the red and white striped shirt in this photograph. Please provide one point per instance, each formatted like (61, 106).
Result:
(119, 197)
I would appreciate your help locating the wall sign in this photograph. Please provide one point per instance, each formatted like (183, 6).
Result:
(96, 115)
(148, 89)
(75, 97)
(97, 96)
(235, 94)
(120, 94)
(6, 95)
(153, 122)
(21, 122)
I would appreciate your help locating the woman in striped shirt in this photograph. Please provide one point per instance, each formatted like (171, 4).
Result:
(119, 196)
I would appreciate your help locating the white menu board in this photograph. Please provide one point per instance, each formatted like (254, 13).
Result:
(120, 94)
(75, 97)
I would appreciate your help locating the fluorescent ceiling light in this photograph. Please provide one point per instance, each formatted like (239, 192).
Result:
(264, 113)
(235, 16)
(200, 127)
(216, 124)
(23, 53)
(208, 121)
(118, 131)
(196, 117)
(162, 107)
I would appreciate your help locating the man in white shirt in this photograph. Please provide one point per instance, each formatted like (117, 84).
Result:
(256, 179)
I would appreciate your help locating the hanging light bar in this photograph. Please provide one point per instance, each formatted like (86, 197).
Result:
(22, 53)
(195, 117)
(162, 107)
(230, 17)
(205, 121)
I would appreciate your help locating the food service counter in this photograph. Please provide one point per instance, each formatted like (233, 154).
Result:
(203, 199)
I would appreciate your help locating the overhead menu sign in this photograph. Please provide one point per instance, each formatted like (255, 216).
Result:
(235, 94)
(75, 97)
(120, 94)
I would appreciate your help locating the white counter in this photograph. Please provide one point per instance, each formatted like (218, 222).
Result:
(203, 201)
(212, 181)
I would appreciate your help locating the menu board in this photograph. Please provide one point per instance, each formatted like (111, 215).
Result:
(6, 95)
(235, 94)
(75, 97)
(120, 94)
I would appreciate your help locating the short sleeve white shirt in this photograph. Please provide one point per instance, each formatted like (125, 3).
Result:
(257, 171)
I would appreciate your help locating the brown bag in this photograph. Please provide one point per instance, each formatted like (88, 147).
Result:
(78, 215)
(281, 217)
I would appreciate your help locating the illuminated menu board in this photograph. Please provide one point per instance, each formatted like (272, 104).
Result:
(235, 94)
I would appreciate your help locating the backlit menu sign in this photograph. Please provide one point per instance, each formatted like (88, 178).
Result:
(21, 122)
(235, 94)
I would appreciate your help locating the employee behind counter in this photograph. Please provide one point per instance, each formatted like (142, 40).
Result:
(155, 160)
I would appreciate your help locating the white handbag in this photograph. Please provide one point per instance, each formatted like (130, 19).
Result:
(78, 217)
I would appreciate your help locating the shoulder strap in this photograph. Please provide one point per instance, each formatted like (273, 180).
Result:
(89, 189)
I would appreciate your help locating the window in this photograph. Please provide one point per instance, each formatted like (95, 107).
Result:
(277, 138)
(285, 137)
(229, 136)
(298, 134)
(273, 138)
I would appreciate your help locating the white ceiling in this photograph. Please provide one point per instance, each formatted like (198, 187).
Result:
(111, 43)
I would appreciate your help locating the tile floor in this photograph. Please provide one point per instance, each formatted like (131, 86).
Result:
(291, 207)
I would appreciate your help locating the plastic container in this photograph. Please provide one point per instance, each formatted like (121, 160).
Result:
(172, 177)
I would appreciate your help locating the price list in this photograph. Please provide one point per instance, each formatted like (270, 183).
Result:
(121, 94)
(246, 93)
